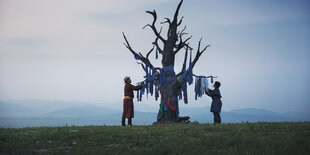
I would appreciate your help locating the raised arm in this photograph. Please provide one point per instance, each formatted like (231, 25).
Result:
(213, 93)
(136, 87)
(209, 93)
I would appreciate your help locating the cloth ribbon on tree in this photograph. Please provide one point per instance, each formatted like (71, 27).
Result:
(156, 53)
(149, 82)
(161, 82)
(170, 103)
(202, 85)
(190, 74)
(186, 78)
(137, 56)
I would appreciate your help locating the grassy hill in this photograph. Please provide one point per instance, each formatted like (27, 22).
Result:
(240, 138)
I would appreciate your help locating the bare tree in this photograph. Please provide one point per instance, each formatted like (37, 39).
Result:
(164, 78)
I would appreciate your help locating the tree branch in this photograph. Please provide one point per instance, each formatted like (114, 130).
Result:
(182, 32)
(185, 59)
(167, 21)
(127, 44)
(182, 44)
(180, 22)
(205, 76)
(141, 65)
(148, 54)
(153, 25)
(177, 12)
(198, 54)
(142, 58)
(157, 46)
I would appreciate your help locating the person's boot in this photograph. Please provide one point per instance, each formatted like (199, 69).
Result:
(129, 122)
(215, 120)
(123, 122)
(219, 120)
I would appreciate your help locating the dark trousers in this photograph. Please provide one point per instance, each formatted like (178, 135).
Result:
(129, 121)
(217, 117)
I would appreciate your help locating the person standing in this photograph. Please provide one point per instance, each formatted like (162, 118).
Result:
(128, 110)
(216, 105)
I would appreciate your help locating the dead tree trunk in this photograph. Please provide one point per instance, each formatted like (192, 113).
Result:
(168, 81)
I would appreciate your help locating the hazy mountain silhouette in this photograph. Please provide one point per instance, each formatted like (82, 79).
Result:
(17, 114)
(8, 109)
(84, 111)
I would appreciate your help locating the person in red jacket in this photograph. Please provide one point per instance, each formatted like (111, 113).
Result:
(128, 111)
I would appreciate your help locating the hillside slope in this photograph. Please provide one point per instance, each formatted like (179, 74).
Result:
(240, 138)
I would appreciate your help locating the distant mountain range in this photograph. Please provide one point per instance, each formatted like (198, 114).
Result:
(26, 113)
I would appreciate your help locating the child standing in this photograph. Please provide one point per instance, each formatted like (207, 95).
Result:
(216, 105)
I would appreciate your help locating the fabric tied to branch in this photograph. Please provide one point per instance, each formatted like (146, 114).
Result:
(138, 95)
(141, 93)
(156, 53)
(184, 90)
(200, 86)
(190, 71)
(170, 103)
(147, 80)
(206, 84)
(186, 77)
(137, 56)
(156, 93)
(164, 72)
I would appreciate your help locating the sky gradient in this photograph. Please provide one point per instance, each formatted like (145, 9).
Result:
(73, 50)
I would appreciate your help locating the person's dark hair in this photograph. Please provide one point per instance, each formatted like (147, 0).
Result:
(217, 84)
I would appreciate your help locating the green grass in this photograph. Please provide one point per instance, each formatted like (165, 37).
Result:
(240, 138)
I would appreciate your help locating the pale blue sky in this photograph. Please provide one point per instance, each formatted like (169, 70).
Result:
(72, 50)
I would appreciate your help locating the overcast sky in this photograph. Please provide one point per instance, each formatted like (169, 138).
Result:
(72, 50)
